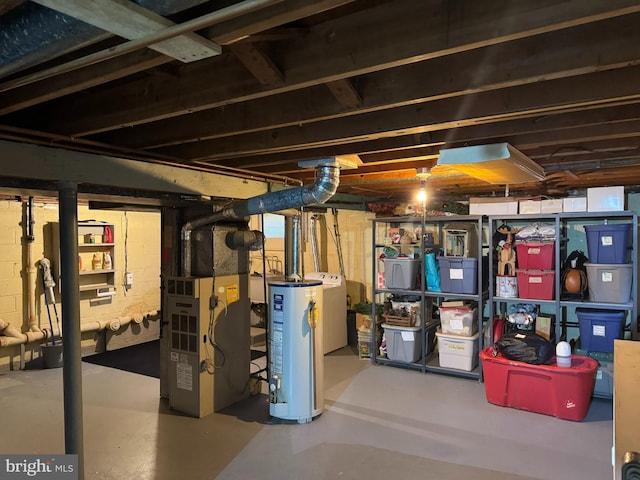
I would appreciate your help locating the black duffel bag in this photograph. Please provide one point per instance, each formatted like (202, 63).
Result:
(525, 347)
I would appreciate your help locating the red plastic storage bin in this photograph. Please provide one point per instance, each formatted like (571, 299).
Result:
(536, 284)
(548, 389)
(535, 255)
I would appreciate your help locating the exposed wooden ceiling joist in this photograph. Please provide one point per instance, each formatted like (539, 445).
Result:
(130, 21)
(393, 81)
(419, 32)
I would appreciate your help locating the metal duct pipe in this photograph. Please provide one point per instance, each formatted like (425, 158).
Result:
(251, 239)
(320, 191)
(292, 253)
(313, 234)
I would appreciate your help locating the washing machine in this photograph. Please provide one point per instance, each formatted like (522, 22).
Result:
(334, 309)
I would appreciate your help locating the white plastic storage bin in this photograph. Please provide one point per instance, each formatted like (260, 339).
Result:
(459, 321)
(403, 343)
(458, 352)
(401, 272)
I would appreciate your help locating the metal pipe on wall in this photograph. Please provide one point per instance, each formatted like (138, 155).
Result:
(32, 271)
(71, 346)
(292, 254)
(313, 235)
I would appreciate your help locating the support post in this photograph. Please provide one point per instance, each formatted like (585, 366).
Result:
(71, 345)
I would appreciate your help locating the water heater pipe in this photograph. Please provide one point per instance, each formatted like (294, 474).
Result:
(320, 191)
(292, 251)
(313, 235)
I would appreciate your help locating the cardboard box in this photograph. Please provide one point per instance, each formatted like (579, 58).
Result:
(492, 206)
(551, 206)
(574, 204)
(605, 199)
(530, 206)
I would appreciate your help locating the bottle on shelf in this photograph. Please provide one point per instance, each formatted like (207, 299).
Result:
(106, 260)
(96, 263)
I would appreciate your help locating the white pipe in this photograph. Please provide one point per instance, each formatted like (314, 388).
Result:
(12, 336)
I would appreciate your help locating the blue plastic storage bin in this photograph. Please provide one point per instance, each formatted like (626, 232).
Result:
(458, 275)
(608, 243)
(599, 328)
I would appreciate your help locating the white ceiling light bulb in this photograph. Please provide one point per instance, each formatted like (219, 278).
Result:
(423, 173)
(422, 193)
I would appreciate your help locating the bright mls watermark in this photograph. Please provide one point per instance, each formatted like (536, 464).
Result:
(51, 467)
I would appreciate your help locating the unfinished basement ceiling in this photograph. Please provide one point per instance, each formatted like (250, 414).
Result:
(283, 81)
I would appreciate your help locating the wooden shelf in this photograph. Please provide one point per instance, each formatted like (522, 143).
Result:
(95, 272)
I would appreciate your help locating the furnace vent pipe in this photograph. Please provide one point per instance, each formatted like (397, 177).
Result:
(320, 191)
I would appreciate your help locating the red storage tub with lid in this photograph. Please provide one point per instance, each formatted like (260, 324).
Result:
(535, 255)
(536, 284)
(548, 389)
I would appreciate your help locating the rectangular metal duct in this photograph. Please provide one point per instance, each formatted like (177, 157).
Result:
(494, 163)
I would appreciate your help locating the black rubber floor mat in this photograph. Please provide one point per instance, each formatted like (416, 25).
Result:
(143, 358)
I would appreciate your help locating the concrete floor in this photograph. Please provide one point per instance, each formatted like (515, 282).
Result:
(379, 423)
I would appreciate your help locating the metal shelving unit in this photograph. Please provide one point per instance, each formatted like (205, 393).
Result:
(560, 307)
(428, 299)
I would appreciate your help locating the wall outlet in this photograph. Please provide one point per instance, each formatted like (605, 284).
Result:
(128, 279)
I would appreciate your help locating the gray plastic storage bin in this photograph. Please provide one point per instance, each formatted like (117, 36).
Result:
(403, 343)
(603, 387)
(609, 283)
(401, 272)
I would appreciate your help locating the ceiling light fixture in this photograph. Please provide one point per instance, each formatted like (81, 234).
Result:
(423, 173)
(495, 163)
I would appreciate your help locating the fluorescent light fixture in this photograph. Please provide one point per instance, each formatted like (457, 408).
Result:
(493, 163)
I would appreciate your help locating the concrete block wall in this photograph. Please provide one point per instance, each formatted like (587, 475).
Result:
(142, 231)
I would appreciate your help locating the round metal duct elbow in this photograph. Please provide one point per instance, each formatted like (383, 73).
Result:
(251, 239)
(320, 191)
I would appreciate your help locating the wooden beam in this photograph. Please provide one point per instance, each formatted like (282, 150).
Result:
(523, 61)
(516, 102)
(222, 34)
(345, 93)
(420, 30)
(259, 64)
(8, 5)
(83, 78)
(131, 21)
(384, 149)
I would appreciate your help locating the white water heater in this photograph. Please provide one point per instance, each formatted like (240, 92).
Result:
(295, 350)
